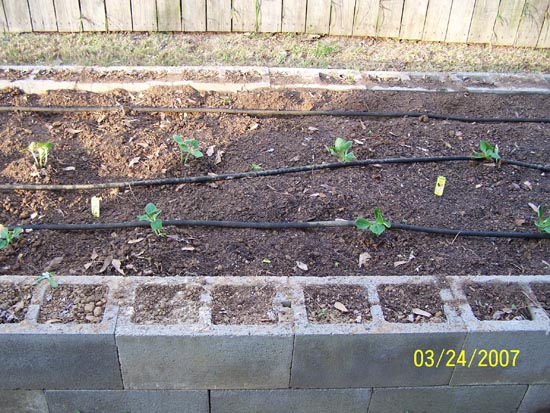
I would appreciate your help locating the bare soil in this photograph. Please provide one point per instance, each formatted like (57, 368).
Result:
(73, 304)
(243, 305)
(501, 302)
(414, 303)
(14, 302)
(542, 292)
(330, 304)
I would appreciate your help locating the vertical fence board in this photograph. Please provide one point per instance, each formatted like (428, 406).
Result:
(414, 17)
(294, 16)
(437, 20)
(119, 15)
(43, 16)
(483, 21)
(544, 39)
(218, 15)
(68, 15)
(270, 16)
(389, 18)
(18, 16)
(92, 13)
(531, 23)
(366, 17)
(193, 15)
(341, 17)
(3, 21)
(318, 16)
(144, 15)
(507, 22)
(169, 15)
(244, 16)
(459, 21)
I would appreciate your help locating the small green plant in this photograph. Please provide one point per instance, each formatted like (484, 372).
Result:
(189, 147)
(340, 149)
(256, 167)
(151, 216)
(378, 226)
(39, 152)
(46, 276)
(8, 236)
(542, 222)
(488, 151)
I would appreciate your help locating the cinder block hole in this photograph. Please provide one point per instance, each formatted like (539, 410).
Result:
(542, 293)
(498, 301)
(411, 303)
(337, 304)
(243, 305)
(14, 302)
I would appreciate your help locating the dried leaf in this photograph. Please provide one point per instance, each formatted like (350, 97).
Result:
(53, 263)
(340, 307)
(363, 258)
(534, 207)
(527, 185)
(116, 265)
(210, 150)
(133, 161)
(219, 155)
(295, 159)
(302, 266)
(106, 264)
(88, 265)
(423, 313)
(312, 129)
(135, 241)
(254, 126)
(318, 194)
(69, 168)
(519, 221)
(359, 142)
(189, 248)
(398, 263)
(73, 131)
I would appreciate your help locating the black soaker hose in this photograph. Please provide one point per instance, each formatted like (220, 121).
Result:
(268, 112)
(283, 225)
(253, 174)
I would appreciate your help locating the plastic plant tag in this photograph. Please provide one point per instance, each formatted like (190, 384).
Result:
(96, 206)
(440, 185)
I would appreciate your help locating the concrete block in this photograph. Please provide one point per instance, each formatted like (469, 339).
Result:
(449, 399)
(100, 401)
(303, 401)
(27, 401)
(536, 400)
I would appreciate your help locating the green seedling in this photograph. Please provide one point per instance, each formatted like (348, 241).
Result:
(151, 216)
(188, 147)
(340, 149)
(542, 222)
(378, 226)
(8, 236)
(488, 151)
(39, 152)
(256, 167)
(46, 276)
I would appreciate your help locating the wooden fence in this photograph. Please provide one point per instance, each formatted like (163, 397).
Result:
(500, 22)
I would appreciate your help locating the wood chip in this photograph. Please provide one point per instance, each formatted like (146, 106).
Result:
(106, 264)
(363, 258)
(423, 313)
(135, 241)
(398, 263)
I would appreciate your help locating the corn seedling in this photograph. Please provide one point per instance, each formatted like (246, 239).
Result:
(8, 236)
(340, 149)
(46, 276)
(39, 152)
(189, 147)
(542, 223)
(378, 226)
(151, 216)
(487, 151)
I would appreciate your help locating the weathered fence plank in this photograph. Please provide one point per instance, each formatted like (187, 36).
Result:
(483, 21)
(68, 15)
(414, 17)
(3, 21)
(271, 16)
(437, 20)
(459, 21)
(507, 22)
(43, 15)
(119, 15)
(318, 16)
(144, 15)
(168, 15)
(193, 15)
(341, 17)
(366, 17)
(389, 18)
(544, 39)
(17, 15)
(245, 16)
(294, 16)
(92, 13)
(531, 23)
(218, 15)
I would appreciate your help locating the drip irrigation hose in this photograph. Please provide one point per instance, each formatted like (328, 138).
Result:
(283, 225)
(269, 112)
(254, 174)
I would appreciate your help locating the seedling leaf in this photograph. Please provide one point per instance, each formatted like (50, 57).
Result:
(378, 226)
(340, 149)
(488, 151)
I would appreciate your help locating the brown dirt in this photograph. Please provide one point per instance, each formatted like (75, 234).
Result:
(11, 74)
(243, 305)
(102, 147)
(238, 76)
(322, 307)
(14, 302)
(400, 303)
(166, 304)
(73, 304)
(502, 302)
(542, 292)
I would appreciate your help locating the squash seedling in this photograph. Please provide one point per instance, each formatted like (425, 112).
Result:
(340, 149)
(46, 276)
(488, 151)
(151, 216)
(8, 236)
(189, 147)
(542, 223)
(39, 152)
(378, 226)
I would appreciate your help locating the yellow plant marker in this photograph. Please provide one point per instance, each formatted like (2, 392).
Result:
(440, 185)
(96, 206)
